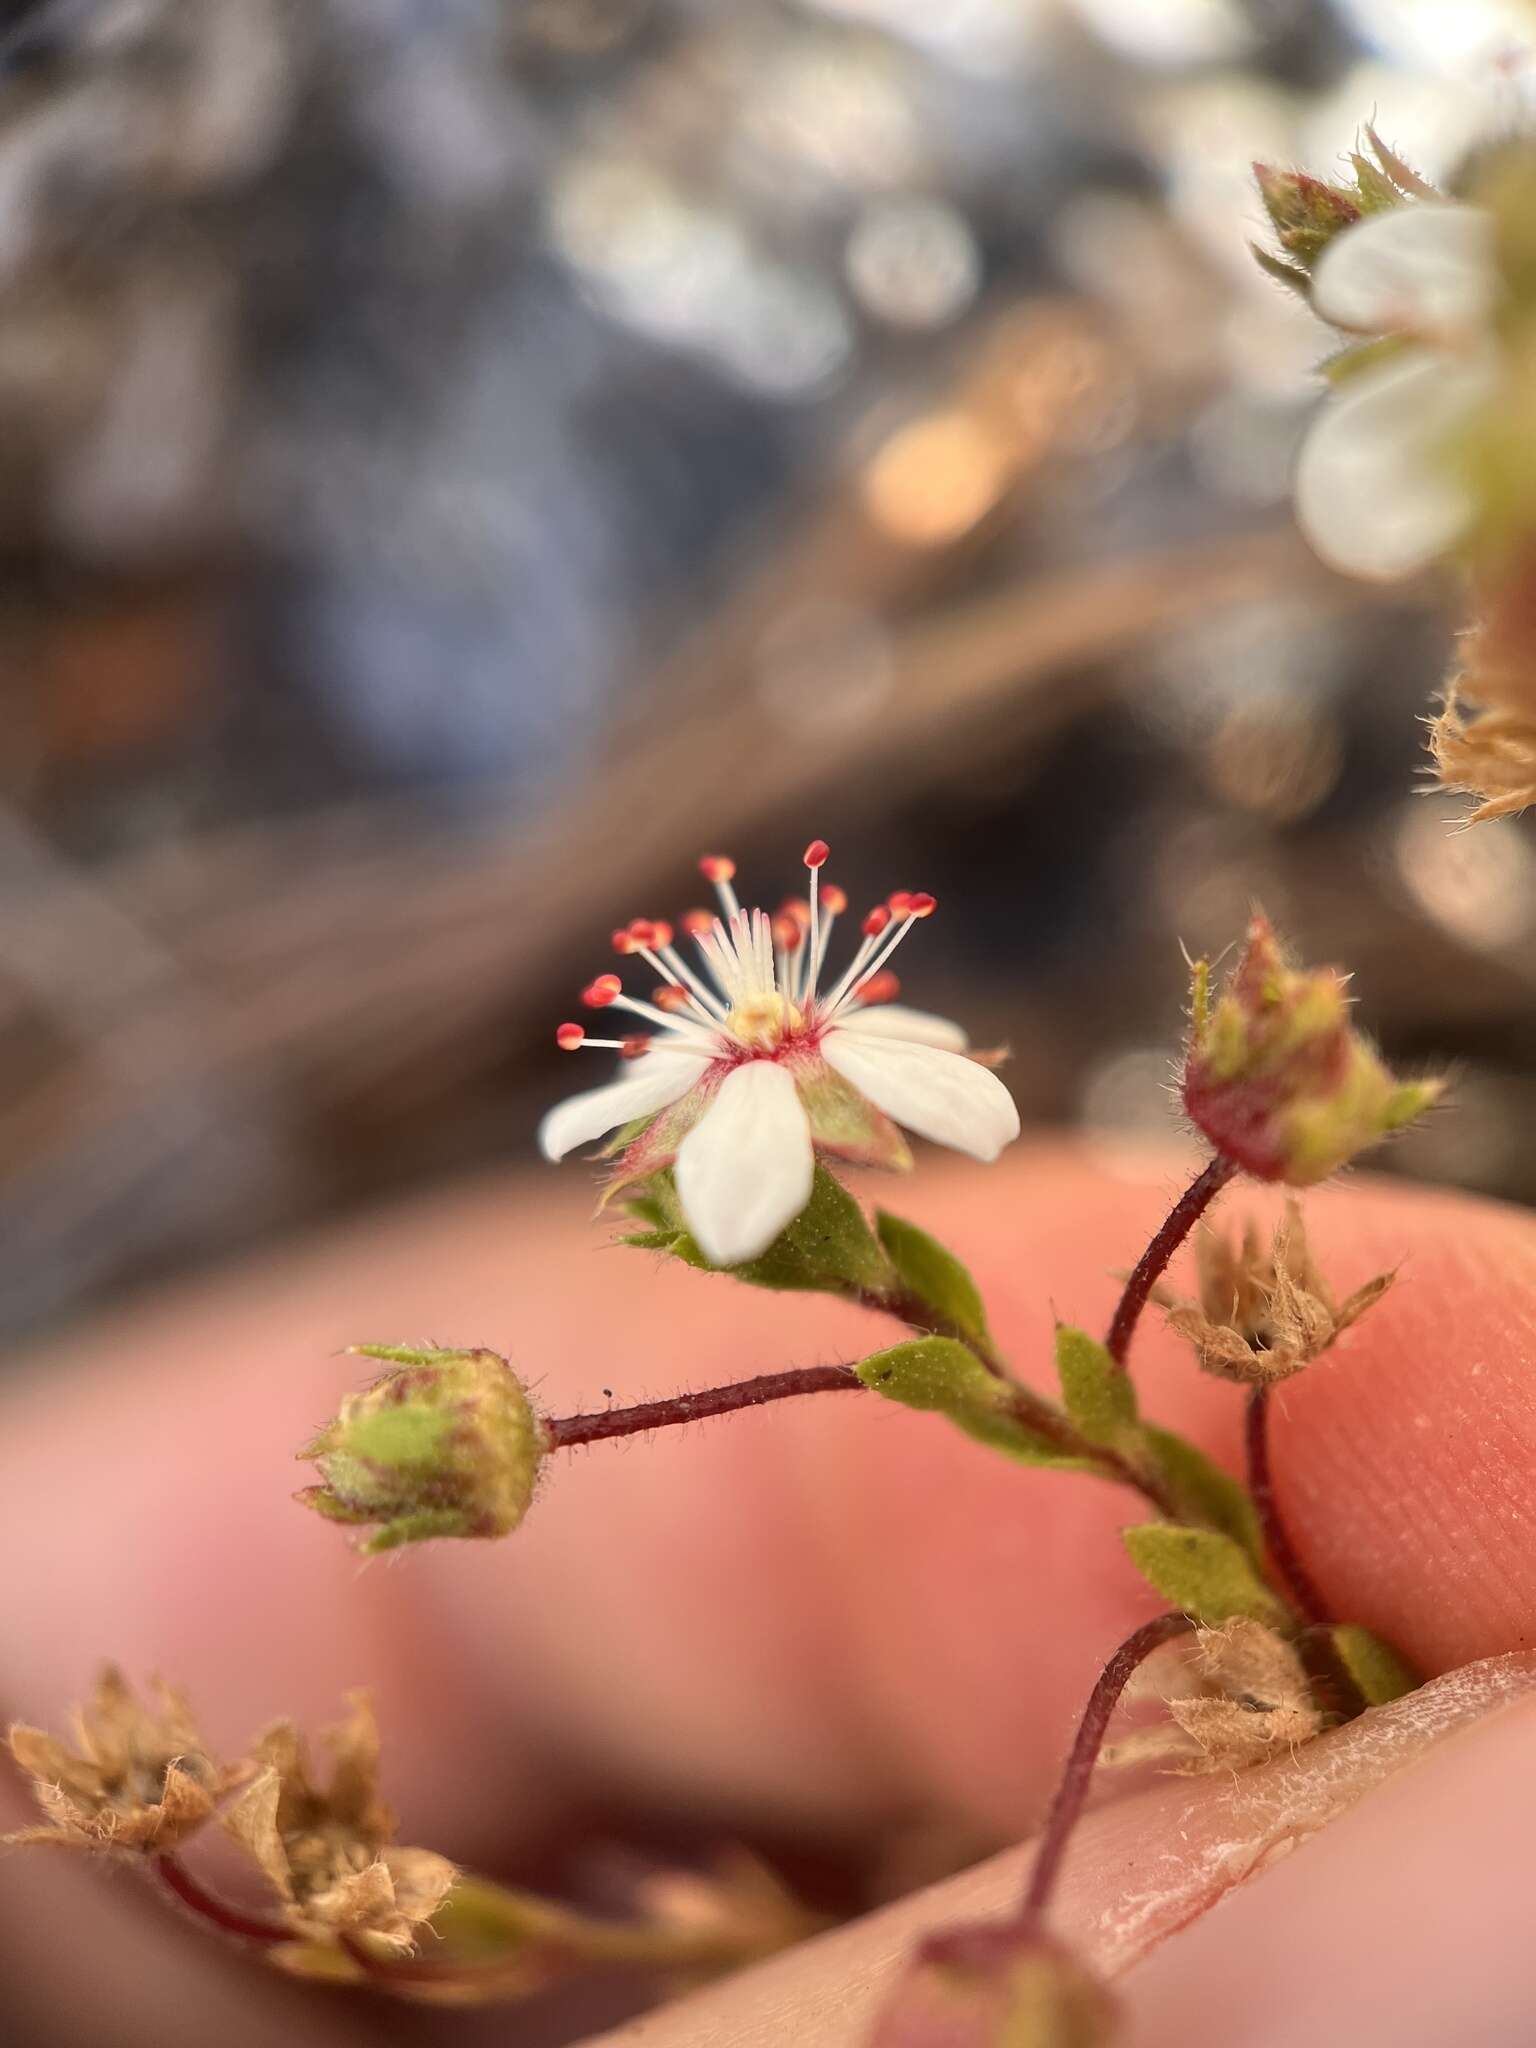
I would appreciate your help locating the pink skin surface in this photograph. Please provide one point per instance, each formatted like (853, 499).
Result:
(815, 1614)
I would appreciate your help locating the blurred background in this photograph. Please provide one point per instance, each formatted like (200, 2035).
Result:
(460, 459)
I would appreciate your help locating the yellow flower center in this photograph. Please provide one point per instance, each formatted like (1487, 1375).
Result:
(763, 1020)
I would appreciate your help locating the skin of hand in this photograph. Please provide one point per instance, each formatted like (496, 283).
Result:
(810, 1616)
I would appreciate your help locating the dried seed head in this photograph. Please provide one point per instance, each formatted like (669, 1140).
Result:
(329, 1855)
(1264, 1311)
(138, 1779)
(1235, 1696)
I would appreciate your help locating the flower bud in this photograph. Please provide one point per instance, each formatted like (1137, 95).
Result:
(446, 1445)
(1279, 1080)
(1305, 212)
(1003, 1986)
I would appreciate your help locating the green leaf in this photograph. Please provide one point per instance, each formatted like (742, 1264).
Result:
(934, 1277)
(1203, 1573)
(941, 1377)
(1375, 1666)
(828, 1249)
(1099, 1396)
(1202, 1491)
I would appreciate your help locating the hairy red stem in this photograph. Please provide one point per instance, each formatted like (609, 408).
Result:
(564, 1431)
(1067, 1806)
(1148, 1270)
(1309, 1601)
(174, 1875)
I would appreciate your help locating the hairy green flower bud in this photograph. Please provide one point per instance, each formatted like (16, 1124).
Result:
(1276, 1076)
(1305, 212)
(1004, 1986)
(446, 1445)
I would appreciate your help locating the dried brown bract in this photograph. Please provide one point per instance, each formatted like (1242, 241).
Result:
(138, 1778)
(1489, 753)
(330, 1855)
(1264, 1313)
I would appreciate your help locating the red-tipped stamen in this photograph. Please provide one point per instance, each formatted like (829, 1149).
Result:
(597, 995)
(834, 901)
(651, 940)
(587, 1044)
(876, 922)
(671, 997)
(876, 951)
(816, 854)
(635, 1046)
(720, 869)
(880, 988)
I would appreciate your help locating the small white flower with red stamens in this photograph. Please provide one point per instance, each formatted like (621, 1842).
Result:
(754, 1068)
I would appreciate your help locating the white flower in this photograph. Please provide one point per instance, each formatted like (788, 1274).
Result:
(1377, 494)
(754, 1069)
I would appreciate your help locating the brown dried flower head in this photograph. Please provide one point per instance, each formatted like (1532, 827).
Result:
(1235, 1696)
(1487, 752)
(329, 1855)
(138, 1778)
(1263, 1313)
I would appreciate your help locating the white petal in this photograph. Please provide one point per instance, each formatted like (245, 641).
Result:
(745, 1168)
(653, 1081)
(895, 1020)
(938, 1094)
(1426, 270)
(1375, 492)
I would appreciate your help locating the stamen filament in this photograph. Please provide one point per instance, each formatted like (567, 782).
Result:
(680, 971)
(705, 1017)
(670, 1025)
(872, 956)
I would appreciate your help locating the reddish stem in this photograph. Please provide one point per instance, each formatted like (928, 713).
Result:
(564, 1431)
(174, 1875)
(1176, 1226)
(1309, 1601)
(1067, 1806)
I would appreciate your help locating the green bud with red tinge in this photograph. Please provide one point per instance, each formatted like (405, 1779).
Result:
(446, 1445)
(1002, 1986)
(1278, 1079)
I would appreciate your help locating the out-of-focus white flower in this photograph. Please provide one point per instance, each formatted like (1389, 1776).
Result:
(1377, 492)
(754, 1069)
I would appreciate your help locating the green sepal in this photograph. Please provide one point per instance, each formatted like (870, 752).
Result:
(1203, 1573)
(828, 1249)
(933, 1277)
(941, 1377)
(1202, 1491)
(1099, 1397)
(646, 1208)
(1288, 274)
(1376, 1668)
